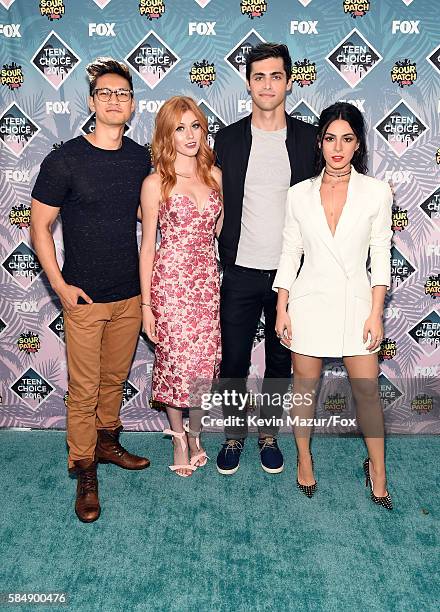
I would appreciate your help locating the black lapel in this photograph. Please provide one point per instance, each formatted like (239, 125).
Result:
(241, 159)
(292, 149)
(246, 146)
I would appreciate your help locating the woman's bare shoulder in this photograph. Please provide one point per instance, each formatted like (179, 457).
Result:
(152, 183)
(216, 174)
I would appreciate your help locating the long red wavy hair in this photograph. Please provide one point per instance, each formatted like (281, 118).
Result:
(164, 150)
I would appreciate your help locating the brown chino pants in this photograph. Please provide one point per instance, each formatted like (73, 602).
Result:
(100, 339)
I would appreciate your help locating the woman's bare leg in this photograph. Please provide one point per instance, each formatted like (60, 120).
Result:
(306, 375)
(175, 418)
(363, 371)
(195, 426)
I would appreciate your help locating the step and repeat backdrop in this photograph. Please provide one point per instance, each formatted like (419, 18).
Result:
(381, 55)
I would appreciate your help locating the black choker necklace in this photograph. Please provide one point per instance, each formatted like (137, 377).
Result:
(337, 175)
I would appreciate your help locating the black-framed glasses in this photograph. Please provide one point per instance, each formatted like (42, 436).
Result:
(104, 94)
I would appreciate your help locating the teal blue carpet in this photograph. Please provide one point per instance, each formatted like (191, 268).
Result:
(249, 542)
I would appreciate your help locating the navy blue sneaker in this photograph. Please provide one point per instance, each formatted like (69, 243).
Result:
(272, 460)
(228, 459)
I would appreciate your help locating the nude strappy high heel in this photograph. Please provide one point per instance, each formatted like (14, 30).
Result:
(181, 437)
(202, 456)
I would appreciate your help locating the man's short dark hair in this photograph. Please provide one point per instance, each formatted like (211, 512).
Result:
(265, 51)
(106, 65)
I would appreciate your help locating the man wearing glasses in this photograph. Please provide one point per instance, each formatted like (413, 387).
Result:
(94, 181)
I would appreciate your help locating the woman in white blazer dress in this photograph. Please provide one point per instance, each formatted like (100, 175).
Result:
(331, 309)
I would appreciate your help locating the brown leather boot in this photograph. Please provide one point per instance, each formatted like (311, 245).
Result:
(109, 450)
(87, 506)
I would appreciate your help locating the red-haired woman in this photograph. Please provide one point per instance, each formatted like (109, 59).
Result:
(180, 282)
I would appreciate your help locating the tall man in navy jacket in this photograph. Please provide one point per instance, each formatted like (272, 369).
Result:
(261, 156)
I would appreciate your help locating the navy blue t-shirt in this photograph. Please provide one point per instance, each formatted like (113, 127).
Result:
(98, 192)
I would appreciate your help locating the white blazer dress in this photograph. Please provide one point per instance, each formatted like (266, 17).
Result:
(330, 299)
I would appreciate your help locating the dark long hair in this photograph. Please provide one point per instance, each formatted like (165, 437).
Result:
(352, 115)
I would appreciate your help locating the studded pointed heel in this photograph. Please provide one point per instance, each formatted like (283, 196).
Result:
(380, 501)
(308, 490)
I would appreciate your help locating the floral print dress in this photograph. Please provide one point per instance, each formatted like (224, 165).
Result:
(185, 299)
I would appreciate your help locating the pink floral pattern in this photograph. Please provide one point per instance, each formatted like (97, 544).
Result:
(185, 298)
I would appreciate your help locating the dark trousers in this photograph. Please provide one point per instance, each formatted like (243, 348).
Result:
(245, 294)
